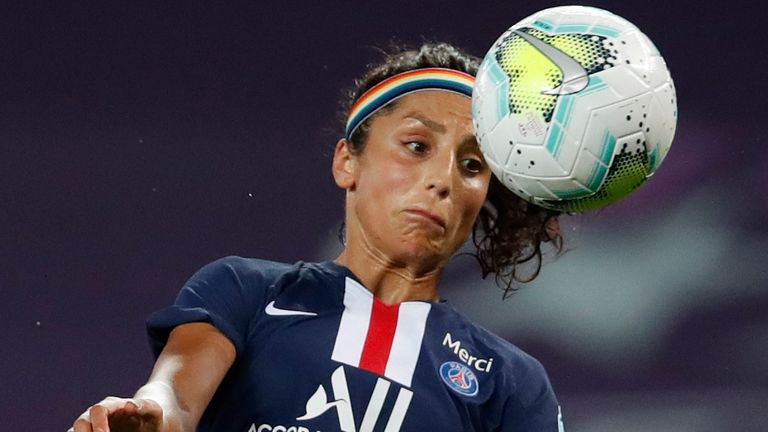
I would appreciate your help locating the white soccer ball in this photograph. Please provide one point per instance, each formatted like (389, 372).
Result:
(574, 108)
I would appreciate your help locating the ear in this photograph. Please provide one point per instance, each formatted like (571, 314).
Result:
(344, 165)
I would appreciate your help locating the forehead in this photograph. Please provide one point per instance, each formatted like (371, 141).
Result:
(443, 105)
(438, 112)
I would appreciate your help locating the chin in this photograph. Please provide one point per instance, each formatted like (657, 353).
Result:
(423, 253)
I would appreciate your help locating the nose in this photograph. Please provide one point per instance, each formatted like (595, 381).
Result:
(440, 175)
(441, 188)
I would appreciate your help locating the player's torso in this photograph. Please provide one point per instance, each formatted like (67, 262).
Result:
(331, 358)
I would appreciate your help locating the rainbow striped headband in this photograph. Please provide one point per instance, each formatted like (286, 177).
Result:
(403, 84)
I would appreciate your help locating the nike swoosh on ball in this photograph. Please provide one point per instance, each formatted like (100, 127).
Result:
(575, 77)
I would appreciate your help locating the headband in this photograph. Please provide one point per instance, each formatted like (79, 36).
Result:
(403, 84)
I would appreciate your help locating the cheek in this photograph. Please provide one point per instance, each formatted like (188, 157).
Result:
(386, 179)
(476, 193)
(473, 199)
(471, 211)
(380, 189)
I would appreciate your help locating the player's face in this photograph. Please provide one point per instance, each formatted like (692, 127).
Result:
(420, 181)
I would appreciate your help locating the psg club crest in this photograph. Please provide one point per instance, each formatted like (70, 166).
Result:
(459, 378)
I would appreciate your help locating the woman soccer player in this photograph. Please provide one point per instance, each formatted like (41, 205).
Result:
(364, 342)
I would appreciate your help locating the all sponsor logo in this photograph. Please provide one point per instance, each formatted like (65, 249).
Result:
(459, 378)
(277, 428)
(340, 402)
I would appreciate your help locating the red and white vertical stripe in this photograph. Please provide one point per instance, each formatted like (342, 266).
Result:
(382, 339)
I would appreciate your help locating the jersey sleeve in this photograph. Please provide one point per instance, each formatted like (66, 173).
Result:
(228, 293)
(534, 406)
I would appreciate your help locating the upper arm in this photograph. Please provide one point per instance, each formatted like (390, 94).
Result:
(193, 363)
(198, 338)
(525, 400)
(536, 407)
(228, 293)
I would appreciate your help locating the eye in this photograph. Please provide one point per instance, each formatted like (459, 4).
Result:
(472, 165)
(416, 147)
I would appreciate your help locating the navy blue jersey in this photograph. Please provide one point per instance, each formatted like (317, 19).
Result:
(317, 352)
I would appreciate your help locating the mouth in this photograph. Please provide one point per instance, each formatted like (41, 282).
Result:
(425, 214)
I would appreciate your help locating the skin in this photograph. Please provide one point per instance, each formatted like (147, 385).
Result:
(183, 381)
(412, 196)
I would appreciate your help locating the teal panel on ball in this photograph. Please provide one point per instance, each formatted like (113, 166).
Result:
(502, 102)
(604, 31)
(495, 71)
(595, 84)
(573, 194)
(572, 28)
(554, 140)
(563, 114)
(609, 143)
(543, 24)
(600, 169)
(502, 91)
(653, 159)
(598, 174)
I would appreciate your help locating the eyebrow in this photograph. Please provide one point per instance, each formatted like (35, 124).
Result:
(468, 139)
(426, 121)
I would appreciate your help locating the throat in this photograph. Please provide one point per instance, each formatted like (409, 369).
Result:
(389, 282)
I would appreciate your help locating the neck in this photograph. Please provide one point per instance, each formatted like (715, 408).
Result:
(391, 282)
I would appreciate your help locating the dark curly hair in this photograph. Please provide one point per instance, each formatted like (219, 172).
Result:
(509, 231)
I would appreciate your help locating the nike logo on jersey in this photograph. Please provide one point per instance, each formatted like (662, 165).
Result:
(271, 309)
(575, 77)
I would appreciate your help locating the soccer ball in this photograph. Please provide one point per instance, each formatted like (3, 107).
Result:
(574, 108)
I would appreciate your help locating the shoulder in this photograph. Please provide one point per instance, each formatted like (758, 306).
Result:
(484, 338)
(521, 396)
(264, 269)
(248, 276)
(518, 372)
(522, 364)
(249, 267)
(238, 272)
(229, 293)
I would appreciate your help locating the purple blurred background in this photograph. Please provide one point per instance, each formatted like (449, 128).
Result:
(139, 141)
